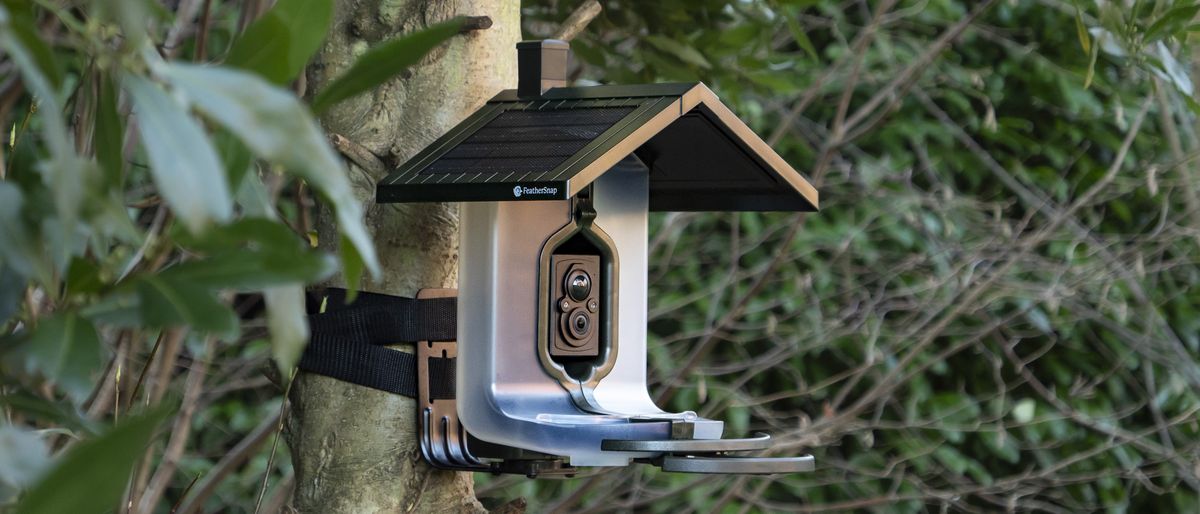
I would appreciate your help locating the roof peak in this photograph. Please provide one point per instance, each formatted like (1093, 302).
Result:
(700, 155)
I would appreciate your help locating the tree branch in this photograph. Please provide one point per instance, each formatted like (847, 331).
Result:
(578, 20)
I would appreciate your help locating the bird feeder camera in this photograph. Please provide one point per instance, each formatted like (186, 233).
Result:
(544, 368)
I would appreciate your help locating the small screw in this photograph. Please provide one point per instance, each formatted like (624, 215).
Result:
(593, 305)
(564, 305)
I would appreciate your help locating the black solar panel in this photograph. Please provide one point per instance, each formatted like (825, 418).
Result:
(528, 141)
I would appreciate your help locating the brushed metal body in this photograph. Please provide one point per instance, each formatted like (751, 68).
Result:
(505, 395)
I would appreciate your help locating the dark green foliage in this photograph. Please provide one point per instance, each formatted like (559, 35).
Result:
(990, 311)
(281, 42)
(91, 476)
(146, 257)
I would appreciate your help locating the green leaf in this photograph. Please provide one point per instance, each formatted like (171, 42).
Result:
(1091, 70)
(18, 248)
(62, 414)
(12, 289)
(64, 172)
(83, 276)
(352, 268)
(1085, 41)
(182, 160)
(253, 232)
(281, 42)
(54, 129)
(277, 127)
(1171, 22)
(801, 37)
(109, 132)
(236, 158)
(249, 270)
(951, 458)
(66, 350)
(164, 301)
(383, 62)
(92, 476)
(681, 51)
(25, 27)
(1024, 410)
(131, 15)
(1003, 445)
(23, 457)
(285, 319)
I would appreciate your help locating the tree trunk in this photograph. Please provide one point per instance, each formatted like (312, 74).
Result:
(354, 449)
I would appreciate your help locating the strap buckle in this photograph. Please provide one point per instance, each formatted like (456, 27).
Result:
(443, 438)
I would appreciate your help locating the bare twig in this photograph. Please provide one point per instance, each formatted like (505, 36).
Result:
(275, 443)
(180, 431)
(201, 52)
(578, 20)
(229, 463)
(359, 154)
(474, 23)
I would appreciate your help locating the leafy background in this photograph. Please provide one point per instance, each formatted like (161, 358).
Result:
(992, 311)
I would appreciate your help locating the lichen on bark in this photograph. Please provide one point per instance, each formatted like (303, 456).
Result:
(354, 449)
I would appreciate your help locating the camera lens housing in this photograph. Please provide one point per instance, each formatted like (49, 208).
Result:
(579, 284)
(576, 301)
(579, 323)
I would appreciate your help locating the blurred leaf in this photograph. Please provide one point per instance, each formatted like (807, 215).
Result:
(12, 291)
(165, 302)
(384, 61)
(132, 15)
(286, 320)
(92, 476)
(109, 132)
(182, 160)
(235, 157)
(1091, 69)
(47, 94)
(18, 249)
(253, 233)
(951, 458)
(1168, 68)
(1024, 410)
(63, 172)
(83, 276)
(1171, 22)
(62, 414)
(67, 351)
(681, 51)
(24, 26)
(251, 270)
(23, 457)
(1085, 41)
(352, 268)
(801, 37)
(1107, 42)
(280, 43)
(253, 198)
(1003, 445)
(277, 127)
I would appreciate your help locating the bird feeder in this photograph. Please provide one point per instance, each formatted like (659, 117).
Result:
(556, 185)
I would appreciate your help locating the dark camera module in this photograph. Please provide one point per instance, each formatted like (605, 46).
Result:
(576, 303)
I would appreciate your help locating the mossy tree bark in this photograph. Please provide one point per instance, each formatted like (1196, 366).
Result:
(354, 449)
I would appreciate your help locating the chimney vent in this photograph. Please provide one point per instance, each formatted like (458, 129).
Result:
(541, 65)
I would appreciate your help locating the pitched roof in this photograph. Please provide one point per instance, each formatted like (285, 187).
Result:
(700, 155)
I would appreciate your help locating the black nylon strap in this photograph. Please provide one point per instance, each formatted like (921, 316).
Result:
(346, 341)
(389, 322)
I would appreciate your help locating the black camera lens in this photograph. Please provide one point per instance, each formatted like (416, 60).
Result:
(579, 323)
(579, 285)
